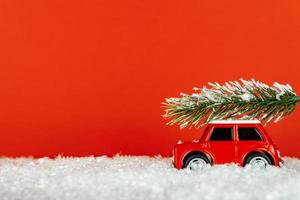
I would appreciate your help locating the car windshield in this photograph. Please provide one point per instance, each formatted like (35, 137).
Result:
(203, 133)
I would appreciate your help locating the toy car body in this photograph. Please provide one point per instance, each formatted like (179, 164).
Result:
(226, 141)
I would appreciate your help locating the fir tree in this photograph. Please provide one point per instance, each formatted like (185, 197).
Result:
(233, 100)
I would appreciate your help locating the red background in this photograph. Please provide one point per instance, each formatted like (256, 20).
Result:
(84, 78)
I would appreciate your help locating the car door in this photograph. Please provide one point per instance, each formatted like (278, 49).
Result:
(249, 137)
(221, 141)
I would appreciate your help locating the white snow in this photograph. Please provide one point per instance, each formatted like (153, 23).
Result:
(247, 97)
(235, 121)
(131, 178)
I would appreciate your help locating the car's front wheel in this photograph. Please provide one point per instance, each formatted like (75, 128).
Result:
(258, 160)
(196, 162)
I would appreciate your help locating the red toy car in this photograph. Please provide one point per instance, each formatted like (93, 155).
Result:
(244, 142)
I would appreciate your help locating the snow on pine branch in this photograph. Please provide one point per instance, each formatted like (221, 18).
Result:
(233, 100)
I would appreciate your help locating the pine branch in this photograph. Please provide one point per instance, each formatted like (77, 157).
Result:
(233, 100)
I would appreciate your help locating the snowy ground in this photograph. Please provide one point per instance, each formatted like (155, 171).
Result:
(131, 178)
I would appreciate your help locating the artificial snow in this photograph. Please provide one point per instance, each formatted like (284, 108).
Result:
(247, 97)
(143, 178)
(235, 121)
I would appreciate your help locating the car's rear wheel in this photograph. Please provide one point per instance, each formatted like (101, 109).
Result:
(258, 160)
(196, 162)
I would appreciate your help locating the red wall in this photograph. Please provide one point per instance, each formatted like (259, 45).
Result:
(87, 77)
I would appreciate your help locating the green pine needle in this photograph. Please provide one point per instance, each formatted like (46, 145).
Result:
(233, 100)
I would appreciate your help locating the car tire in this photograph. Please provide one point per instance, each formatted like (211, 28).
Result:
(258, 160)
(196, 162)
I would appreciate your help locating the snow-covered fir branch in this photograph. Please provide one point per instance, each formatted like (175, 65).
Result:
(233, 100)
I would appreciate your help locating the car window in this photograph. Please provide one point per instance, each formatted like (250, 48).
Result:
(246, 134)
(221, 134)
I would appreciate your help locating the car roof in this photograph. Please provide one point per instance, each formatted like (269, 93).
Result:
(234, 122)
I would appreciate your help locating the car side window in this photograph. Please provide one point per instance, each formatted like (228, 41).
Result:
(221, 134)
(249, 134)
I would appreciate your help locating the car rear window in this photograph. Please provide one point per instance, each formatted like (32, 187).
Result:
(221, 134)
(249, 134)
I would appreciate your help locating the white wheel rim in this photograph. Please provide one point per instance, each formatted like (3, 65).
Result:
(197, 164)
(259, 162)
